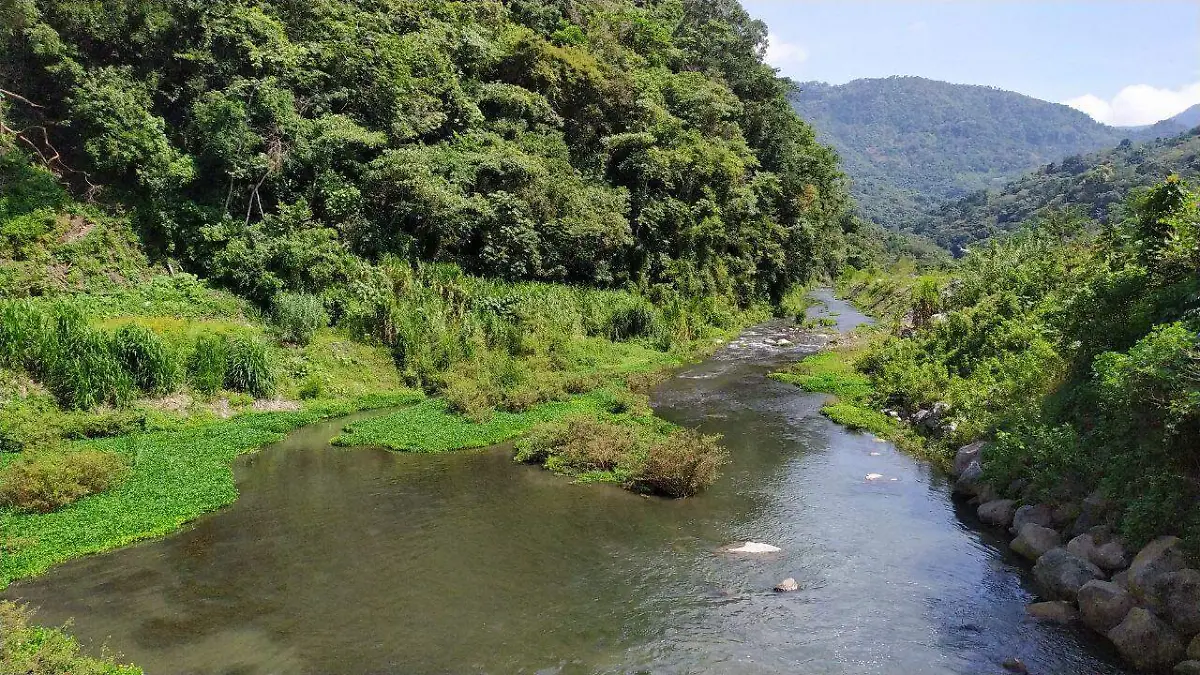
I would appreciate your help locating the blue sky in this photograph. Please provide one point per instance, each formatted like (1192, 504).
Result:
(1123, 62)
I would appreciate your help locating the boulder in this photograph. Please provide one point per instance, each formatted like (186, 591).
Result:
(1183, 601)
(970, 481)
(1015, 665)
(1151, 568)
(787, 586)
(1034, 540)
(1110, 556)
(1039, 514)
(1055, 611)
(998, 512)
(1121, 579)
(1187, 668)
(1083, 546)
(966, 455)
(1103, 605)
(1091, 513)
(1065, 514)
(1061, 574)
(1193, 650)
(1146, 641)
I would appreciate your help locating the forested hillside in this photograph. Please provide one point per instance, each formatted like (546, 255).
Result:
(276, 146)
(911, 144)
(1095, 185)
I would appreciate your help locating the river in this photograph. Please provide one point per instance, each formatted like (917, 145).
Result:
(341, 560)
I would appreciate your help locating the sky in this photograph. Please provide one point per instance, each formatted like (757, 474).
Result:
(1122, 62)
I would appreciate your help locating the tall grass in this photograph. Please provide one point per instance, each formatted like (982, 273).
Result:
(248, 368)
(298, 316)
(207, 362)
(155, 367)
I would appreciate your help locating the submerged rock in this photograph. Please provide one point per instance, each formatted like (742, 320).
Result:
(1061, 574)
(1015, 665)
(1055, 611)
(998, 512)
(755, 547)
(1103, 605)
(1146, 641)
(787, 586)
(1034, 540)
(1187, 668)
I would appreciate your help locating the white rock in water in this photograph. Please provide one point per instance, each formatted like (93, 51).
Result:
(782, 342)
(874, 476)
(755, 547)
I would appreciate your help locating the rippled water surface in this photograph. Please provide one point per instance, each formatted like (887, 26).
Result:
(365, 561)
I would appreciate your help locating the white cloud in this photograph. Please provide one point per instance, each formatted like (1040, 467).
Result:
(784, 55)
(1138, 104)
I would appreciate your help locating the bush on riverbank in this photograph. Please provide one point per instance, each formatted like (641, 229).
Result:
(1076, 348)
(48, 479)
(33, 650)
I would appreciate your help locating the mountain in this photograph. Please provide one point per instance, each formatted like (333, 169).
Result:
(911, 144)
(1188, 119)
(1095, 184)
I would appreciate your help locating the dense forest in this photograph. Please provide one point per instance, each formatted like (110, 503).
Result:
(275, 146)
(911, 144)
(1096, 185)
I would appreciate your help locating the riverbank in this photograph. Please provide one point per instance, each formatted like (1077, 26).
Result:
(1067, 427)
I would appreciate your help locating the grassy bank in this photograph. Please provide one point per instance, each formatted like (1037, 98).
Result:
(26, 648)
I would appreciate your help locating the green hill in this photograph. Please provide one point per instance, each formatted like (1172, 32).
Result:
(1095, 184)
(910, 144)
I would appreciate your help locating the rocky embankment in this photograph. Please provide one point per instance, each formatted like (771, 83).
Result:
(1147, 604)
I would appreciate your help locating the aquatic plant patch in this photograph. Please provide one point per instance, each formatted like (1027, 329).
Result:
(174, 476)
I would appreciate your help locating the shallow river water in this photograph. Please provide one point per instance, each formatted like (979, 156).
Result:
(367, 561)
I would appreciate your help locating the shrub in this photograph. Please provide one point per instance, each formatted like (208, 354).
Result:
(153, 367)
(469, 397)
(47, 481)
(682, 465)
(299, 316)
(248, 368)
(207, 363)
(79, 366)
(633, 320)
(579, 445)
(34, 650)
(313, 387)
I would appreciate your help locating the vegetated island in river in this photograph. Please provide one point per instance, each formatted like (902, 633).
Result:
(1056, 374)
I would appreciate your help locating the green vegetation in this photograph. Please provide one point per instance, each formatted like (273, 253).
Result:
(47, 481)
(1073, 346)
(32, 650)
(851, 404)
(913, 144)
(1095, 185)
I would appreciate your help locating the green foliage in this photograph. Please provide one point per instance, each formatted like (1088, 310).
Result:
(155, 368)
(207, 363)
(598, 142)
(1078, 352)
(48, 480)
(1095, 185)
(33, 650)
(683, 464)
(299, 316)
(248, 366)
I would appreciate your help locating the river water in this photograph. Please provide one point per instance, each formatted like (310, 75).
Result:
(367, 561)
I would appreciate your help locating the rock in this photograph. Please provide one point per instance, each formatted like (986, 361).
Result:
(755, 547)
(1183, 601)
(1193, 650)
(1055, 611)
(787, 586)
(1110, 556)
(784, 342)
(1151, 568)
(1103, 605)
(1034, 540)
(987, 493)
(1091, 513)
(998, 512)
(1082, 546)
(970, 481)
(966, 455)
(1065, 514)
(1015, 665)
(1061, 574)
(1187, 668)
(1121, 579)
(1039, 514)
(1146, 641)
(1101, 534)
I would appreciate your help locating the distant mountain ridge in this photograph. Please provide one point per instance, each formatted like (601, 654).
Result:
(1095, 185)
(911, 144)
